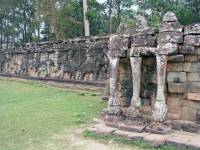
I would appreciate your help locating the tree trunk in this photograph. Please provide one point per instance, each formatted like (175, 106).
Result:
(110, 16)
(118, 11)
(38, 35)
(86, 21)
(1, 36)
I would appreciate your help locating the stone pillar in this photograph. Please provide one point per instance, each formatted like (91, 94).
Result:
(136, 75)
(113, 102)
(170, 35)
(160, 107)
(106, 92)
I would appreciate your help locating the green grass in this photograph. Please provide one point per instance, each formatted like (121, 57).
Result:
(123, 140)
(31, 113)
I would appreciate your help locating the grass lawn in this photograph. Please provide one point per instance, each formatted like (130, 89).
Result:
(32, 113)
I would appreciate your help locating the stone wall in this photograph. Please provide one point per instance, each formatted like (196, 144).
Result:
(182, 85)
(155, 77)
(80, 59)
(137, 63)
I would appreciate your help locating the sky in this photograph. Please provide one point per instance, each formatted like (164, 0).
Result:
(101, 1)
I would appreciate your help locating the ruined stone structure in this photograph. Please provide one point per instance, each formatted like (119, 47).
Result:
(153, 74)
(80, 59)
(155, 77)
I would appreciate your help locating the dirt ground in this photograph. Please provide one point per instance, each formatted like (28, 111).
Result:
(74, 140)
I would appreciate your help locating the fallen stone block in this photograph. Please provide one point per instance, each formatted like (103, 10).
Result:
(121, 133)
(178, 140)
(155, 140)
(137, 136)
(158, 128)
(194, 144)
(102, 129)
(190, 126)
(131, 128)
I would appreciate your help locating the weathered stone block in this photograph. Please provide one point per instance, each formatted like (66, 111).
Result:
(174, 67)
(192, 40)
(155, 140)
(171, 27)
(192, 96)
(167, 48)
(193, 87)
(176, 77)
(191, 58)
(169, 17)
(174, 100)
(191, 67)
(191, 104)
(172, 37)
(176, 87)
(124, 102)
(193, 76)
(187, 50)
(192, 29)
(176, 58)
(188, 114)
(142, 51)
(174, 110)
(143, 40)
(198, 116)
(197, 51)
(131, 128)
(173, 116)
(174, 113)
(146, 110)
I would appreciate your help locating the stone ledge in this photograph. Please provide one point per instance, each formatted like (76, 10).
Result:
(178, 139)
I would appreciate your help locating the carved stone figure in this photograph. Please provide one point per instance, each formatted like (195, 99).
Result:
(2, 61)
(118, 46)
(68, 66)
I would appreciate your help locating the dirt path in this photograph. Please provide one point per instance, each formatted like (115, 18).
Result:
(75, 141)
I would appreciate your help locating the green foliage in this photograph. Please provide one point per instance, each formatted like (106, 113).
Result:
(187, 11)
(23, 21)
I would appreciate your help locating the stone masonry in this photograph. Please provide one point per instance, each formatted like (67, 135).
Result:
(80, 59)
(154, 77)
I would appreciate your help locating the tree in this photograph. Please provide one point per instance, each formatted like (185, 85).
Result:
(86, 21)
